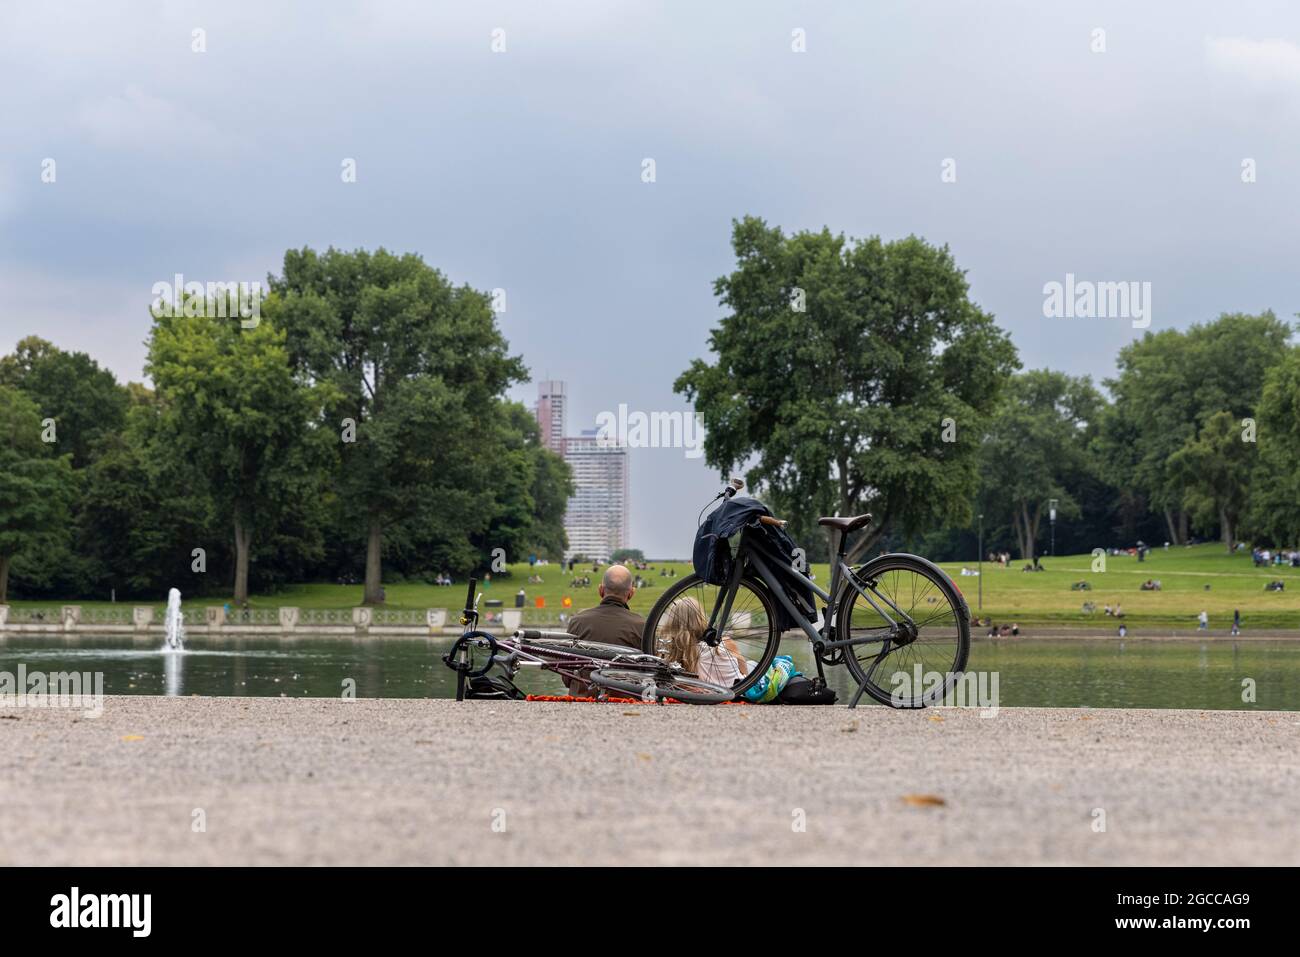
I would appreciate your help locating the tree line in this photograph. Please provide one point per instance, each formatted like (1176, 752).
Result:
(358, 430)
(858, 376)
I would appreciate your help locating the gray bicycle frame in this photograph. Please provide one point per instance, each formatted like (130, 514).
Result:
(840, 573)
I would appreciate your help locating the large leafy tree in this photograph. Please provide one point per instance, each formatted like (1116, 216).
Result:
(1214, 468)
(36, 486)
(143, 516)
(1274, 509)
(1038, 449)
(230, 405)
(418, 366)
(87, 410)
(532, 491)
(1168, 386)
(849, 376)
(84, 399)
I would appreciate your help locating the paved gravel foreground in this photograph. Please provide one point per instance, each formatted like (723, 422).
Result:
(316, 781)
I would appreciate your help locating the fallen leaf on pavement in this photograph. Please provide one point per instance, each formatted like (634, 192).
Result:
(924, 800)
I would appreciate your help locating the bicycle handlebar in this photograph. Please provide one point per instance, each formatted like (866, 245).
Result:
(469, 617)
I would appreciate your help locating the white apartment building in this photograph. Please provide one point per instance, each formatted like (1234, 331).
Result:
(596, 519)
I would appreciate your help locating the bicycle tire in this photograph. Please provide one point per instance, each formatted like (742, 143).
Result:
(858, 657)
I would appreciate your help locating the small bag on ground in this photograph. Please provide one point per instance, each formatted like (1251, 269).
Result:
(493, 688)
(766, 689)
(803, 690)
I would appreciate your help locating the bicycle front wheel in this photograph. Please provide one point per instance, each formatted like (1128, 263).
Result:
(915, 631)
(637, 684)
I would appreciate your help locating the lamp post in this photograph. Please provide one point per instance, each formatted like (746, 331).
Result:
(979, 563)
(1051, 513)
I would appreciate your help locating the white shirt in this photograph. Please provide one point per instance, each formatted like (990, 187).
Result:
(718, 665)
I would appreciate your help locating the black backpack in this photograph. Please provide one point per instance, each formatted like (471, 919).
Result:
(713, 560)
(803, 690)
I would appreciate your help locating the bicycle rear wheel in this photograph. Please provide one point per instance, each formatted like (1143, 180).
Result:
(636, 684)
(915, 665)
(752, 623)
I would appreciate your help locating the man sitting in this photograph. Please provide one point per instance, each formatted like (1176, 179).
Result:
(611, 622)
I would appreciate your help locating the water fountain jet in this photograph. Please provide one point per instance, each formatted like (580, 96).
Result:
(174, 622)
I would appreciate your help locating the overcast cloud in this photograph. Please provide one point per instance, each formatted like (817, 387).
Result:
(522, 170)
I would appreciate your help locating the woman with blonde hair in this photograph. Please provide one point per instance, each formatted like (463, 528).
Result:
(683, 628)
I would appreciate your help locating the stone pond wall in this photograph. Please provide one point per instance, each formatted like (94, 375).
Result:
(216, 620)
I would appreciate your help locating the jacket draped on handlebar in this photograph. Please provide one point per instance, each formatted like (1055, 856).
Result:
(714, 562)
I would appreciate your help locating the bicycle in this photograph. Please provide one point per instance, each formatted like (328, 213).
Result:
(610, 668)
(869, 630)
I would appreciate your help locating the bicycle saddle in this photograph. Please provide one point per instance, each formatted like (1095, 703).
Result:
(850, 524)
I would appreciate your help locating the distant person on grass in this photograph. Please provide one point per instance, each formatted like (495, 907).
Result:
(611, 622)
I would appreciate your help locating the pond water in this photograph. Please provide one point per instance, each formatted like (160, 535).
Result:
(1102, 673)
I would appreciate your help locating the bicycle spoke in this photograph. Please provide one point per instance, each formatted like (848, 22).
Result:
(750, 630)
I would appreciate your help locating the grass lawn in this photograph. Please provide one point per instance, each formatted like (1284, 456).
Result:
(1195, 578)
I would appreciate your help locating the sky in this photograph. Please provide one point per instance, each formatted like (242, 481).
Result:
(506, 144)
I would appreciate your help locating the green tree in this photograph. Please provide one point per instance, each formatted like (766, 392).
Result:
(86, 408)
(36, 486)
(230, 405)
(84, 399)
(129, 528)
(1274, 499)
(849, 376)
(532, 490)
(1168, 385)
(1214, 469)
(418, 366)
(1037, 449)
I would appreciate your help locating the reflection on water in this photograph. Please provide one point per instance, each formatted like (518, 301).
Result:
(173, 662)
(1103, 673)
